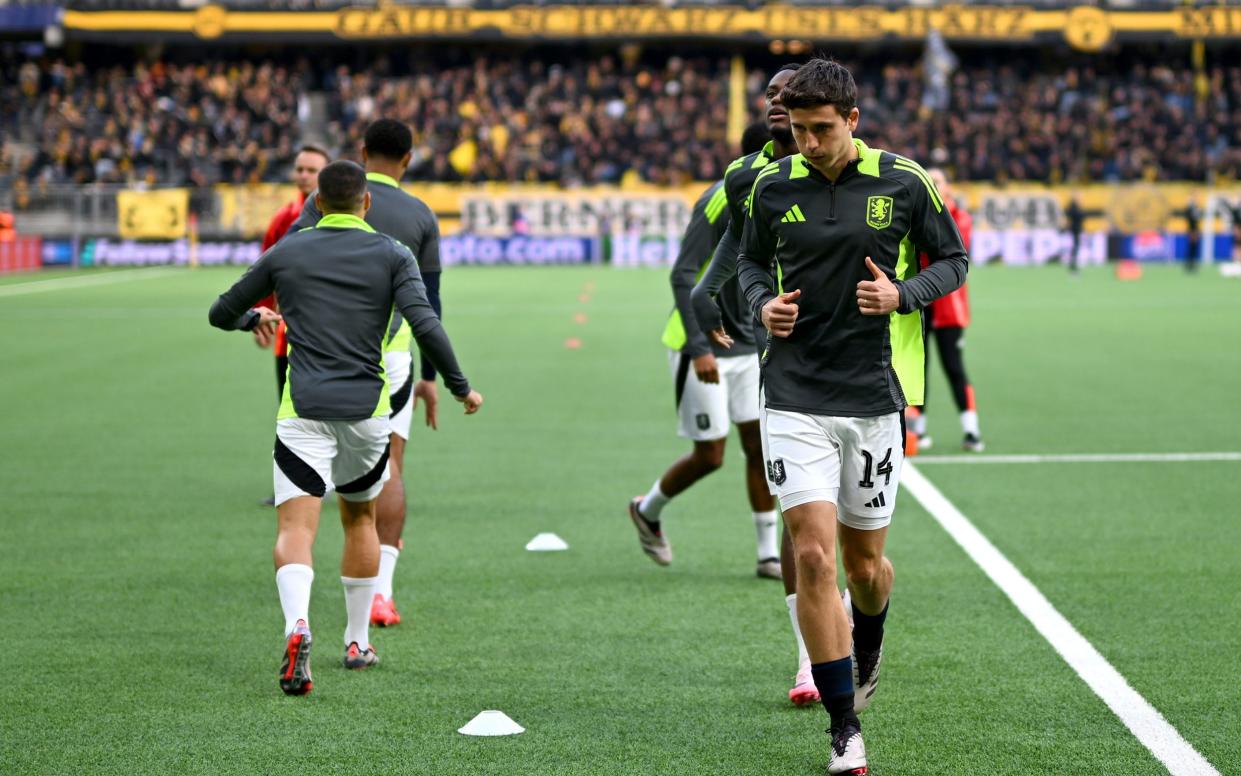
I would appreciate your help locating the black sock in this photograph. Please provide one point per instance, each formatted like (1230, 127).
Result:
(868, 629)
(834, 681)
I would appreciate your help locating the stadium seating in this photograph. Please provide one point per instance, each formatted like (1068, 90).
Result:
(572, 118)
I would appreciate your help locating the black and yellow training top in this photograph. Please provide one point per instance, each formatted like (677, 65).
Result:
(803, 231)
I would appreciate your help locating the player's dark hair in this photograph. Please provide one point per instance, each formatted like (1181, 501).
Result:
(342, 187)
(389, 139)
(821, 82)
(792, 66)
(314, 149)
(754, 138)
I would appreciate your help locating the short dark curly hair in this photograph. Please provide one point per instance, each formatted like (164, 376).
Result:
(821, 82)
(389, 139)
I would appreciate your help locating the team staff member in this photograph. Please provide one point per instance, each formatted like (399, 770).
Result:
(338, 284)
(386, 152)
(839, 226)
(948, 318)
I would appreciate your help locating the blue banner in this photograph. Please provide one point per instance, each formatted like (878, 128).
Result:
(28, 18)
(519, 249)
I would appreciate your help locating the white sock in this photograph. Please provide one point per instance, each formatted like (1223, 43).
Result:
(293, 582)
(803, 657)
(653, 503)
(969, 422)
(387, 565)
(358, 592)
(768, 541)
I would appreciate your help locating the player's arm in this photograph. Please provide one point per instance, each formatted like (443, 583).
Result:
(410, 297)
(429, 256)
(722, 268)
(696, 244)
(723, 264)
(234, 309)
(754, 259)
(777, 311)
(934, 233)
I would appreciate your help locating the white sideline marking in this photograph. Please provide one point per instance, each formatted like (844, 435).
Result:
(1142, 719)
(1080, 458)
(57, 284)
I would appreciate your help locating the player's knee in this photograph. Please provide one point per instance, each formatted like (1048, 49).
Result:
(814, 563)
(863, 571)
(357, 513)
(709, 455)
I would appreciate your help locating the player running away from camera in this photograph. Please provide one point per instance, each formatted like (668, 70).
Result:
(948, 317)
(715, 388)
(338, 284)
(719, 283)
(829, 264)
(386, 151)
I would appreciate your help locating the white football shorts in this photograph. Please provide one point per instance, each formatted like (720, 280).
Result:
(400, 390)
(351, 455)
(704, 410)
(854, 463)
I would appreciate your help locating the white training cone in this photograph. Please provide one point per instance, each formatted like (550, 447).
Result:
(491, 723)
(547, 542)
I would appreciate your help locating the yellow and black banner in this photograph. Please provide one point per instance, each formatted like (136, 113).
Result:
(152, 215)
(1086, 27)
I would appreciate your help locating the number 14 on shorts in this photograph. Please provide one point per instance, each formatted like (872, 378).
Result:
(884, 469)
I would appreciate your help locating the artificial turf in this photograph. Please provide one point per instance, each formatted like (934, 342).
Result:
(143, 631)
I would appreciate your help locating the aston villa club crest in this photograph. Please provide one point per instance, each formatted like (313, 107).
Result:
(879, 212)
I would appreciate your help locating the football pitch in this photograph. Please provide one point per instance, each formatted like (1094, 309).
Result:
(142, 631)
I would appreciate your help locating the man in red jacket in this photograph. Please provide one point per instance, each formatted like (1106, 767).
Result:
(310, 159)
(948, 317)
(306, 165)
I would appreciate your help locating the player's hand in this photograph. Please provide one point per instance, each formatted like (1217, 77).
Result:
(265, 329)
(706, 368)
(879, 296)
(267, 315)
(780, 313)
(721, 338)
(472, 401)
(264, 335)
(430, 395)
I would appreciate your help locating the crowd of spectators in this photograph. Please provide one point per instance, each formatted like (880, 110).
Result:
(1117, 120)
(572, 122)
(156, 123)
(573, 118)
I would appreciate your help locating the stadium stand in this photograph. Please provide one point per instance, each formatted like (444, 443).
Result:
(573, 118)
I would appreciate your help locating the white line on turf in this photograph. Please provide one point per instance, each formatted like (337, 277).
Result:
(1080, 458)
(1142, 719)
(59, 284)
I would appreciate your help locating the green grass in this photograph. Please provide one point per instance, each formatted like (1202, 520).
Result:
(142, 630)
